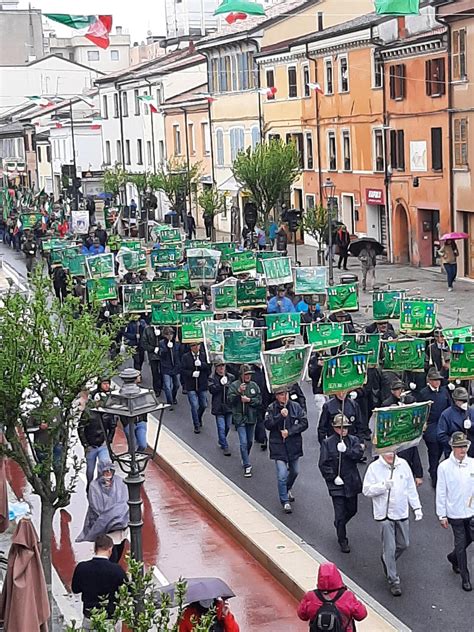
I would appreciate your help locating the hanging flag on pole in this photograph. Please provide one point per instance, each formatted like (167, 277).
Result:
(315, 86)
(150, 101)
(96, 28)
(397, 7)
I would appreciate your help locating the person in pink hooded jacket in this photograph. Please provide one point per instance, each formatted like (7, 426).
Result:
(329, 584)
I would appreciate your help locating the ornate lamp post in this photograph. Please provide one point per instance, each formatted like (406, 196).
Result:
(132, 403)
(329, 189)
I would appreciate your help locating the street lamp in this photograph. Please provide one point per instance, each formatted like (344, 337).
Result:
(130, 403)
(329, 189)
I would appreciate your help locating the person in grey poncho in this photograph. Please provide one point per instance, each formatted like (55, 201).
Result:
(108, 510)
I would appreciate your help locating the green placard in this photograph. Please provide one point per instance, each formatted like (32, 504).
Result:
(462, 361)
(203, 265)
(242, 345)
(325, 335)
(399, 427)
(29, 220)
(458, 334)
(133, 260)
(64, 255)
(343, 298)
(251, 295)
(167, 235)
(133, 299)
(404, 354)
(54, 242)
(277, 271)
(114, 242)
(226, 248)
(166, 313)
(198, 243)
(224, 296)
(213, 331)
(417, 316)
(161, 257)
(132, 244)
(191, 325)
(282, 325)
(386, 305)
(310, 280)
(77, 266)
(179, 278)
(110, 215)
(364, 343)
(265, 254)
(344, 373)
(284, 367)
(103, 289)
(157, 291)
(243, 261)
(100, 266)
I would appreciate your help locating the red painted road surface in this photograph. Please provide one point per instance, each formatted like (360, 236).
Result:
(180, 539)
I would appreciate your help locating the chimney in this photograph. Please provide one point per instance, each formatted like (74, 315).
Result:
(118, 30)
(402, 29)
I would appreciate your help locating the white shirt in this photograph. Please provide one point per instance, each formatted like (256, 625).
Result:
(402, 495)
(455, 488)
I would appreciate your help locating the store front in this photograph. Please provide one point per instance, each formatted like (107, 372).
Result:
(376, 215)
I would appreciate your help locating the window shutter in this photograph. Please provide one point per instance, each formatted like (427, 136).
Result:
(428, 77)
(401, 149)
(403, 91)
(393, 148)
(442, 78)
(436, 148)
(392, 82)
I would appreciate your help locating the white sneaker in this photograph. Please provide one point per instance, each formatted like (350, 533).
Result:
(450, 289)
(248, 472)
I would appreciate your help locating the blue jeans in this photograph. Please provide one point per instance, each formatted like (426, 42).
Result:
(140, 435)
(286, 476)
(92, 455)
(451, 272)
(245, 432)
(170, 387)
(198, 402)
(223, 426)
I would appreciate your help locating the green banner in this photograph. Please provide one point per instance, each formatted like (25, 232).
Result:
(114, 242)
(64, 255)
(277, 271)
(344, 373)
(110, 215)
(310, 280)
(167, 235)
(198, 243)
(213, 331)
(203, 265)
(226, 248)
(386, 305)
(462, 361)
(133, 260)
(325, 336)
(161, 257)
(458, 334)
(284, 367)
(29, 220)
(399, 427)
(343, 298)
(54, 242)
(417, 316)
(265, 254)
(282, 325)
(191, 325)
(77, 266)
(133, 299)
(100, 266)
(102, 289)
(364, 343)
(166, 313)
(404, 354)
(224, 296)
(243, 261)
(132, 244)
(242, 345)
(179, 278)
(157, 291)
(251, 295)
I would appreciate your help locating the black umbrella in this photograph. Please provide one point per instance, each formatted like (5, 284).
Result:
(199, 589)
(359, 244)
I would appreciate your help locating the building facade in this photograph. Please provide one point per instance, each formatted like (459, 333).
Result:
(194, 18)
(23, 30)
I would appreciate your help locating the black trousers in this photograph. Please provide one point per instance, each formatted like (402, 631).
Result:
(343, 256)
(345, 508)
(117, 552)
(155, 366)
(462, 539)
(435, 450)
(138, 359)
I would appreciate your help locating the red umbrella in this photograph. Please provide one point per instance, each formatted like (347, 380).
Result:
(447, 236)
(24, 602)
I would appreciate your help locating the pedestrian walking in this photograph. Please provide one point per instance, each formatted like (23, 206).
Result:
(138, 441)
(108, 510)
(286, 420)
(438, 355)
(272, 232)
(29, 250)
(195, 372)
(441, 401)
(343, 240)
(455, 502)
(332, 606)
(190, 226)
(281, 240)
(449, 254)
(150, 342)
(133, 334)
(339, 403)
(98, 579)
(338, 460)
(219, 385)
(193, 613)
(170, 357)
(244, 398)
(390, 483)
(459, 417)
(368, 261)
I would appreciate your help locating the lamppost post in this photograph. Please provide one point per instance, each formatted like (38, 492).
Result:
(329, 189)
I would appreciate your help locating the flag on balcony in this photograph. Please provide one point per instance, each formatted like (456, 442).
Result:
(95, 28)
(397, 7)
(239, 9)
(315, 86)
(150, 101)
(96, 123)
(43, 102)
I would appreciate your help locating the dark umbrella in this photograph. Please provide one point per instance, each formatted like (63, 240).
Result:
(199, 589)
(359, 244)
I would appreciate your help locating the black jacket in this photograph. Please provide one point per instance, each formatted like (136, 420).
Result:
(329, 465)
(149, 342)
(29, 248)
(296, 422)
(101, 235)
(95, 579)
(188, 367)
(281, 240)
(219, 405)
(90, 428)
(351, 411)
(315, 372)
(295, 395)
(441, 401)
(170, 358)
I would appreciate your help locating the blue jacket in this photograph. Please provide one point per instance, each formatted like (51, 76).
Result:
(131, 330)
(170, 358)
(441, 401)
(285, 307)
(96, 250)
(302, 306)
(452, 420)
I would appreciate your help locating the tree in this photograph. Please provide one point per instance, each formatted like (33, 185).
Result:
(114, 180)
(50, 351)
(212, 203)
(315, 223)
(136, 605)
(175, 180)
(267, 171)
(141, 181)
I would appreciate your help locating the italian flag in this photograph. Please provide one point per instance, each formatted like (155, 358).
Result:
(150, 101)
(96, 123)
(43, 102)
(397, 7)
(316, 87)
(95, 27)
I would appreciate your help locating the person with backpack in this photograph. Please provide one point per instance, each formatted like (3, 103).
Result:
(331, 607)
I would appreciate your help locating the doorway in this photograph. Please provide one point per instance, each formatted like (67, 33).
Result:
(468, 227)
(401, 237)
(348, 218)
